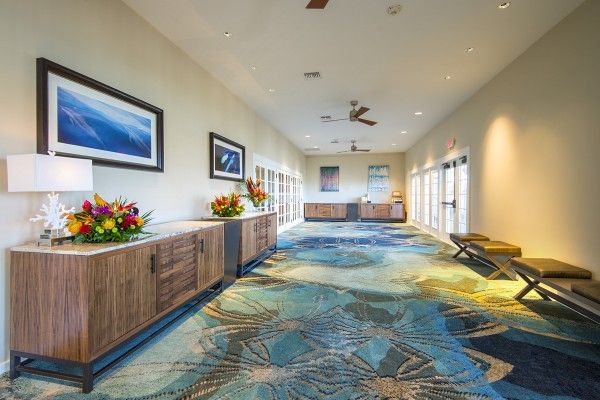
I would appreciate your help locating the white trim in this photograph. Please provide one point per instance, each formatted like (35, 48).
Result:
(256, 158)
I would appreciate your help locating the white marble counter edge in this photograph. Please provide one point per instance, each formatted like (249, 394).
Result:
(151, 237)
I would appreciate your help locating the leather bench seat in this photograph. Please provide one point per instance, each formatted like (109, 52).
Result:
(467, 237)
(550, 268)
(589, 290)
(496, 247)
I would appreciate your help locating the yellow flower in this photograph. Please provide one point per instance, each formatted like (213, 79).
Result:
(75, 227)
(139, 221)
(100, 202)
(108, 224)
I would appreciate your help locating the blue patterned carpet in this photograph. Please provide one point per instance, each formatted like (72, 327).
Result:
(359, 311)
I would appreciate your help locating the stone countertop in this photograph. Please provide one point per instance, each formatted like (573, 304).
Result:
(156, 232)
(246, 215)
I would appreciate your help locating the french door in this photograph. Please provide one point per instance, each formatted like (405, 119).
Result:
(440, 197)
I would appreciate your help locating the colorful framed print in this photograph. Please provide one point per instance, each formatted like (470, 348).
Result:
(330, 179)
(379, 178)
(227, 159)
(81, 117)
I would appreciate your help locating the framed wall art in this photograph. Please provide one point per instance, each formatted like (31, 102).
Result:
(227, 159)
(81, 117)
(330, 179)
(379, 178)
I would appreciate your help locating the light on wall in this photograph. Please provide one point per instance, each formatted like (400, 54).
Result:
(49, 173)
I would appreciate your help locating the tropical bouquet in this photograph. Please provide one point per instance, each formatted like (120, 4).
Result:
(227, 206)
(254, 192)
(101, 222)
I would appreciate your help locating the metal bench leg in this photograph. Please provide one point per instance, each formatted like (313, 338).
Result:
(462, 247)
(503, 268)
(531, 285)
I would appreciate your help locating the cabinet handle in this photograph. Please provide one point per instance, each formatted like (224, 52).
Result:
(153, 263)
(202, 246)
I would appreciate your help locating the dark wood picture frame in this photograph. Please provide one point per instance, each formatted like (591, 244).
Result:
(44, 67)
(230, 142)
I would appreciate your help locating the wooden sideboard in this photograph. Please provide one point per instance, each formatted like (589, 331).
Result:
(72, 304)
(382, 211)
(325, 211)
(257, 240)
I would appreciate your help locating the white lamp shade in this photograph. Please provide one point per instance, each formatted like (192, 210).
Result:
(44, 173)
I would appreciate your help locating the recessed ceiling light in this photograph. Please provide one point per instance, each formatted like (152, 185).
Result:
(504, 5)
(227, 34)
(419, 113)
(469, 49)
(271, 90)
(403, 131)
(315, 147)
(447, 77)
(307, 136)
(393, 144)
(253, 67)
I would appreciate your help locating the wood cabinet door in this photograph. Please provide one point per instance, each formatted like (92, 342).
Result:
(397, 211)
(122, 294)
(176, 268)
(311, 210)
(248, 240)
(272, 229)
(339, 211)
(382, 211)
(210, 256)
(367, 211)
(324, 211)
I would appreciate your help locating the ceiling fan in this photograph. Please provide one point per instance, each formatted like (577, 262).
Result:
(354, 148)
(355, 114)
(317, 4)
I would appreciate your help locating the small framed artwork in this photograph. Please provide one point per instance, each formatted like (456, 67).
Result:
(330, 179)
(379, 178)
(227, 159)
(81, 117)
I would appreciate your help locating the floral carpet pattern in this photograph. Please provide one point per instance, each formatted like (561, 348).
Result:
(358, 311)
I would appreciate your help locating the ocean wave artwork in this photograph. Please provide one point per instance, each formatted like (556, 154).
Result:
(227, 160)
(379, 178)
(87, 122)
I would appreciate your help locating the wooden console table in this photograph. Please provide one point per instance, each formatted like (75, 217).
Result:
(326, 211)
(72, 304)
(382, 211)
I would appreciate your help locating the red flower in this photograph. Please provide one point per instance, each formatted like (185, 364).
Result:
(85, 229)
(87, 206)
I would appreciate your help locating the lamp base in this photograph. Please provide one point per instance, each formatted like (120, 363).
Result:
(52, 238)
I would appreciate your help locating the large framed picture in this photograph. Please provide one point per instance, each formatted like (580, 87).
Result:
(330, 179)
(81, 117)
(227, 159)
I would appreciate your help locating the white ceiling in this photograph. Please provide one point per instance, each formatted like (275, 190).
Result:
(393, 64)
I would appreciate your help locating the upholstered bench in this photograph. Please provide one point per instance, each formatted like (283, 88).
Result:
(462, 240)
(565, 283)
(499, 254)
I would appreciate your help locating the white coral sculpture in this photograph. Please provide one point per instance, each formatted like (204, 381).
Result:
(54, 214)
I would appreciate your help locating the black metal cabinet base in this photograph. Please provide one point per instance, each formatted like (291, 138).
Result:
(244, 269)
(20, 362)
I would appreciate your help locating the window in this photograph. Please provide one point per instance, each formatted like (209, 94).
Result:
(449, 198)
(463, 195)
(417, 204)
(435, 187)
(426, 205)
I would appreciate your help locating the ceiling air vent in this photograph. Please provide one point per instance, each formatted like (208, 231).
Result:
(310, 76)
(312, 149)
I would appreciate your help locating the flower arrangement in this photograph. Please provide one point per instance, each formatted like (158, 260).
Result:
(118, 221)
(227, 206)
(255, 193)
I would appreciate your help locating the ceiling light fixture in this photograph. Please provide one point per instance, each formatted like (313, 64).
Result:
(447, 77)
(419, 113)
(403, 131)
(315, 147)
(504, 5)
(253, 67)
(271, 90)
(469, 49)
(393, 144)
(307, 136)
(227, 34)
(394, 10)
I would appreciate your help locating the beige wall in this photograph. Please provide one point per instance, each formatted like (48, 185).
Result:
(534, 137)
(106, 40)
(353, 176)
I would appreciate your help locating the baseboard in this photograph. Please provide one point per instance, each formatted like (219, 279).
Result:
(4, 366)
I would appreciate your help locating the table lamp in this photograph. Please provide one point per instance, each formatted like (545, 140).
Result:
(396, 197)
(50, 173)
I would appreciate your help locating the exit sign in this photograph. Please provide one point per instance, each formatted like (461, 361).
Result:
(450, 143)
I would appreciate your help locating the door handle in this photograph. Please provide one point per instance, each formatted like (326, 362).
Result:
(202, 246)
(450, 203)
(152, 263)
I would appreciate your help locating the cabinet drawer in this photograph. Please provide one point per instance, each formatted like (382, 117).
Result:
(177, 268)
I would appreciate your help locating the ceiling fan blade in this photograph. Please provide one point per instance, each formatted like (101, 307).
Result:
(317, 4)
(361, 111)
(366, 121)
(334, 120)
(365, 150)
(345, 151)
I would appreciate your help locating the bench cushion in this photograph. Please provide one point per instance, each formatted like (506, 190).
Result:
(550, 268)
(495, 247)
(467, 237)
(590, 290)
